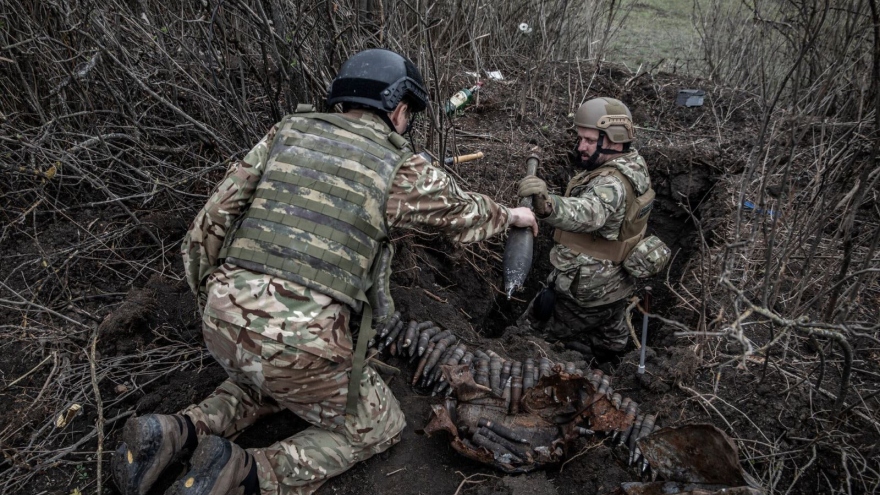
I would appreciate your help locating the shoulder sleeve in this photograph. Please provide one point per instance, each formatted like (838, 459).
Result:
(590, 207)
(423, 195)
(206, 234)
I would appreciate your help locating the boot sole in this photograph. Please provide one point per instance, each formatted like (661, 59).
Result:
(208, 461)
(130, 464)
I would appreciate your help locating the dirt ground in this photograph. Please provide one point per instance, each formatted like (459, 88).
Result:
(152, 325)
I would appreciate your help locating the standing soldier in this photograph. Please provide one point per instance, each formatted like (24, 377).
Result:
(600, 226)
(291, 243)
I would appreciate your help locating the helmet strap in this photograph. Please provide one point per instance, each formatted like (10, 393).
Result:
(384, 116)
(409, 124)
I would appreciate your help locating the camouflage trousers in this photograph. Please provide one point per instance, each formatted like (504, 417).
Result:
(603, 328)
(266, 376)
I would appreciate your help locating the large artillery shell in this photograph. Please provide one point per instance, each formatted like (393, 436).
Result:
(528, 374)
(392, 322)
(645, 430)
(516, 448)
(437, 387)
(438, 351)
(595, 379)
(519, 246)
(615, 400)
(453, 356)
(495, 373)
(481, 376)
(642, 429)
(501, 430)
(604, 386)
(420, 369)
(440, 336)
(391, 336)
(401, 338)
(497, 449)
(411, 334)
(457, 355)
(468, 358)
(424, 340)
(433, 373)
(505, 371)
(631, 435)
(517, 259)
(647, 426)
(583, 432)
(424, 325)
(629, 407)
(481, 355)
(516, 369)
(544, 367)
(516, 389)
(505, 393)
(632, 409)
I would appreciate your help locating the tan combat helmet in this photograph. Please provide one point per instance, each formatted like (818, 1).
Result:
(606, 115)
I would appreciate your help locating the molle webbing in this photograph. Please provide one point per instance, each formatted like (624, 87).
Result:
(318, 214)
(632, 230)
(317, 217)
(290, 270)
(327, 210)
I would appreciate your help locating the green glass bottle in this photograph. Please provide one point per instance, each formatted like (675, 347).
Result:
(461, 99)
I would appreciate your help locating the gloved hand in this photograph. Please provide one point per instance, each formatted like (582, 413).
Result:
(537, 188)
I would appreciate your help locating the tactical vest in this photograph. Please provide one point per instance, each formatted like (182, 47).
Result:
(635, 221)
(317, 216)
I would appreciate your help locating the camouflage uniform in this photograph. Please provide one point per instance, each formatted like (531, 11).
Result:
(287, 346)
(591, 293)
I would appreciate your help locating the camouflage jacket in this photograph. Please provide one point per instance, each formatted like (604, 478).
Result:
(598, 206)
(421, 196)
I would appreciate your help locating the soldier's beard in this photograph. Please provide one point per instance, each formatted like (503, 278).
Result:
(591, 162)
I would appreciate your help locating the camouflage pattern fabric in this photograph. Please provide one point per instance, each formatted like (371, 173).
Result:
(598, 206)
(591, 293)
(648, 258)
(266, 375)
(421, 196)
(285, 345)
(603, 328)
(320, 205)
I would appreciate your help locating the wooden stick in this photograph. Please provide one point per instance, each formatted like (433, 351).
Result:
(453, 160)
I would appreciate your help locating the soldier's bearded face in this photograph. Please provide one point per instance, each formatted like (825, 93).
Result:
(587, 141)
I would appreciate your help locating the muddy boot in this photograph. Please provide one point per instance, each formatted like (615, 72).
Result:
(149, 444)
(218, 467)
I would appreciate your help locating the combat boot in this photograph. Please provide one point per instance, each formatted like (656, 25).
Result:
(218, 467)
(149, 444)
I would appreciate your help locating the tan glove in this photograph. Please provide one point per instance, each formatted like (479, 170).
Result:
(537, 189)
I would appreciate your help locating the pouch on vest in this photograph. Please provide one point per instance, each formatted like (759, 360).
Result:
(635, 222)
(379, 294)
(648, 258)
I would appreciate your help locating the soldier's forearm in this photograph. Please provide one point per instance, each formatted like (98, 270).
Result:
(575, 214)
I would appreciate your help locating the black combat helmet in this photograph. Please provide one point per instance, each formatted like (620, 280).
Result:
(380, 79)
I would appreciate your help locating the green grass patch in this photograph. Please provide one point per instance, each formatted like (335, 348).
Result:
(656, 30)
